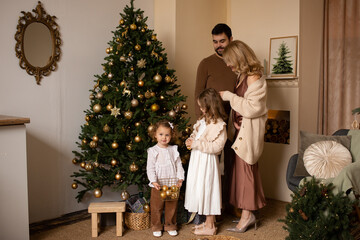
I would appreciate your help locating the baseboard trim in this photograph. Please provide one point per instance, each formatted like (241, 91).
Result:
(65, 219)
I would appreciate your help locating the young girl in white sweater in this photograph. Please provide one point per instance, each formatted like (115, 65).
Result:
(203, 188)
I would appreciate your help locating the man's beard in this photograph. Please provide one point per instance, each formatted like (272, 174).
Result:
(217, 51)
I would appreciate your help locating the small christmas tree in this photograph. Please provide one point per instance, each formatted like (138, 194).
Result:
(316, 213)
(136, 90)
(283, 65)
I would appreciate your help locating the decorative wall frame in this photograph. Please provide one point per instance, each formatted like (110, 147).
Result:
(283, 56)
(37, 42)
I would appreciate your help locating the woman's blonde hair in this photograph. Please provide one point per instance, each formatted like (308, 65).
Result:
(211, 102)
(240, 56)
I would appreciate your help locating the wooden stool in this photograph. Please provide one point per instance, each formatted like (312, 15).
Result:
(106, 207)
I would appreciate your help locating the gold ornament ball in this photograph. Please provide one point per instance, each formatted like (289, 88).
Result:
(162, 97)
(74, 185)
(97, 193)
(137, 139)
(152, 94)
(93, 144)
(140, 83)
(167, 79)
(157, 78)
(106, 128)
(82, 164)
(172, 113)
(109, 107)
(148, 94)
(164, 188)
(128, 114)
(110, 76)
(150, 128)
(129, 147)
(123, 83)
(86, 124)
(140, 96)
(108, 50)
(132, 69)
(74, 161)
(88, 167)
(97, 108)
(118, 176)
(134, 102)
(91, 96)
(146, 208)
(114, 145)
(113, 162)
(87, 118)
(122, 59)
(133, 167)
(155, 107)
(130, 54)
(111, 63)
(133, 26)
(161, 59)
(148, 43)
(84, 141)
(163, 195)
(143, 30)
(96, 164)
(137, 47)
(184, 106)
(95, 138)
(168, 192)
(125, 195)
(137, 124)
(99, 95)
(118, 39)
(111, 49)
(121, 21)
(153, 37)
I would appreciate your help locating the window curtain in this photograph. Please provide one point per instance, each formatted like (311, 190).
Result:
(340, 65)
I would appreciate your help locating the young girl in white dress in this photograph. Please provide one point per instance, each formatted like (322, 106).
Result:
(203, 187)
(163, 161)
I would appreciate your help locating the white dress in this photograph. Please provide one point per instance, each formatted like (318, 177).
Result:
(203, 186)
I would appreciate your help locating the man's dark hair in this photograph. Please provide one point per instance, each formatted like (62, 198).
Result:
(222, 28)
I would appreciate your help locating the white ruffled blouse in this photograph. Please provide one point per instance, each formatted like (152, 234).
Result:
(164, 163)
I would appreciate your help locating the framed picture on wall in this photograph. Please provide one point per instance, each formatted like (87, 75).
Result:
(283, 56)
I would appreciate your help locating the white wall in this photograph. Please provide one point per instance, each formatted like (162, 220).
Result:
(56, 107)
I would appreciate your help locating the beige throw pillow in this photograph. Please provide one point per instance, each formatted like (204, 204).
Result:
(325, 159)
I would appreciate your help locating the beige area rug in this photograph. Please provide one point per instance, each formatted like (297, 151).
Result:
(269, 228)
(218, 237)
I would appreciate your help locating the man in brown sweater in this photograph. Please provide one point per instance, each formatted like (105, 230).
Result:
(213, 73)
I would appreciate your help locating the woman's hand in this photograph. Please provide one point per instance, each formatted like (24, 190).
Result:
(188, 143)
(156, 185)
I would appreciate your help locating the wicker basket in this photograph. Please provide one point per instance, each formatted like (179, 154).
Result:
(137, 221)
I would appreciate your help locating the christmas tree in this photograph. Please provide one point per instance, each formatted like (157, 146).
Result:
(283, 64)
(135, 90)
(316, 213)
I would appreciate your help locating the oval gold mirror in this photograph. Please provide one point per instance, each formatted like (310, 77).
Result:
(37, 42)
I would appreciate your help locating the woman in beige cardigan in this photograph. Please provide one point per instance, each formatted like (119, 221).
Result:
(248, 117)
